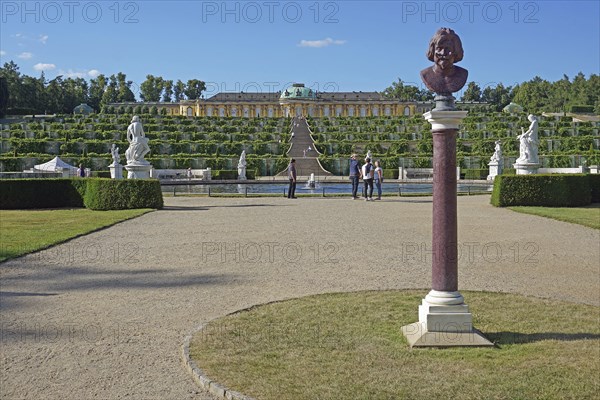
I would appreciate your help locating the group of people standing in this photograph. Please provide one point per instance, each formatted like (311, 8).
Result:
(372, 175)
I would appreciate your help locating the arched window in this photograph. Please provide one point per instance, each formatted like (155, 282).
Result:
(190, 112)
(407, 111)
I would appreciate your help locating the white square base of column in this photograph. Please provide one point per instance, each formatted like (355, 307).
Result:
(445, 318)
(417, 336)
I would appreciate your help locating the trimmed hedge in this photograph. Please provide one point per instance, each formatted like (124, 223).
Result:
(120, 194)
(560, 190)
(93, 193)
(595, 187)
(41, 193)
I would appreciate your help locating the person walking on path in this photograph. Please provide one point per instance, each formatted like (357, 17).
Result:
(367, 174)
(292, 177)
(355, 175)
(378, 178)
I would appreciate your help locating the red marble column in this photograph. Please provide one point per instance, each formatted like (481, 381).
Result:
(444, 232)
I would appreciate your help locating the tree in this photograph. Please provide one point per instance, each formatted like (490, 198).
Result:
(33, 90)
(111, 94)
(178, 90)
(10, 71)
(96, 91)
(151, 88)
(55, 95)
(533, 95)
(498, 96)
(194, 89)
(124, 93)
(473, 93)
(74, 92)
(168, 92)
(3, 96)
(398, 90)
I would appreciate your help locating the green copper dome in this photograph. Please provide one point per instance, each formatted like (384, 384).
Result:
(298, 91)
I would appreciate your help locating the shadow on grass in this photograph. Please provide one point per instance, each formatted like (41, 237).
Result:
(504, 338)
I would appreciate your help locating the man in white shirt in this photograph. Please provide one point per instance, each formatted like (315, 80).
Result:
(368, 173)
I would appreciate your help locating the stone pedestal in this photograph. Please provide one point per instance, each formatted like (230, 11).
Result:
(138, 171)
(495, 170)
(241, 173)
(526, 168)
(116, 171)
(444, 318)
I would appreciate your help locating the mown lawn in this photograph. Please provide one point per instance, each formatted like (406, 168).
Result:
(26, 231)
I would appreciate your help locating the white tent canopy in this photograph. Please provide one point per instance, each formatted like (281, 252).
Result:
(55, 165)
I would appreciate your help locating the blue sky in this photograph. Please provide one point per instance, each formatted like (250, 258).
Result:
(328, 45)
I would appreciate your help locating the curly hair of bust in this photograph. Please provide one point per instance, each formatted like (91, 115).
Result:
(446, 33)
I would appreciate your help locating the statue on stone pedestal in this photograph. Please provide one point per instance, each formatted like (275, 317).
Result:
(242, 166)
(369, 155)
(528, 143)
(444, 78)
(138, 143)
(114, 152)
(497, 156)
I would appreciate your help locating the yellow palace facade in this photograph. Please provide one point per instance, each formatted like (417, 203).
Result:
(297, 100)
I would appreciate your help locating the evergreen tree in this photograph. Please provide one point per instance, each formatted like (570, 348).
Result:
(473, 93)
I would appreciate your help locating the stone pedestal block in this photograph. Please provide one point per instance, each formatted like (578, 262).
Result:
(495, 170)
(116, 171)
(138, 171)
(526, 169)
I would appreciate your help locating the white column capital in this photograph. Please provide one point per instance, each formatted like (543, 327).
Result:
(445, 119)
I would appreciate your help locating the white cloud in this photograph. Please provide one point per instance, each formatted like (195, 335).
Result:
(25, 55)
(70, 73)
(43, 39)
(321, 43)
(2, 53)
(44, 67)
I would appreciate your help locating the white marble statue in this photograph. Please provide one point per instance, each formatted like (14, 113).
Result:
(242, 166)
(138, 143)
(528, 143)
(114, 152)
(497, 156)
(369, 155)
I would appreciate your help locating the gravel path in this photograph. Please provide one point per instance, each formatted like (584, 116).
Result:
(104, 316)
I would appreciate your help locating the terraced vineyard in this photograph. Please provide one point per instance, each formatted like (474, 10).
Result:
(407, 141)
(175, 142)
(181, 142)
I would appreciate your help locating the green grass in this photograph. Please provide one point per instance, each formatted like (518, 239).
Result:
(26, 231)
(349, 346)
(587, 216)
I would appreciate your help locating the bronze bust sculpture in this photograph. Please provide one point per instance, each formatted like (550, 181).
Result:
(443, 77)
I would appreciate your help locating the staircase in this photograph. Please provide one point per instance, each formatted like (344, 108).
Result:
(306, 161)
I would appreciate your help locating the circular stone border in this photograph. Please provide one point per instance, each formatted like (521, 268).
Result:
(213, 387)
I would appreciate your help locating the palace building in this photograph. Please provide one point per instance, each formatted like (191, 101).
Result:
(296, 100)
